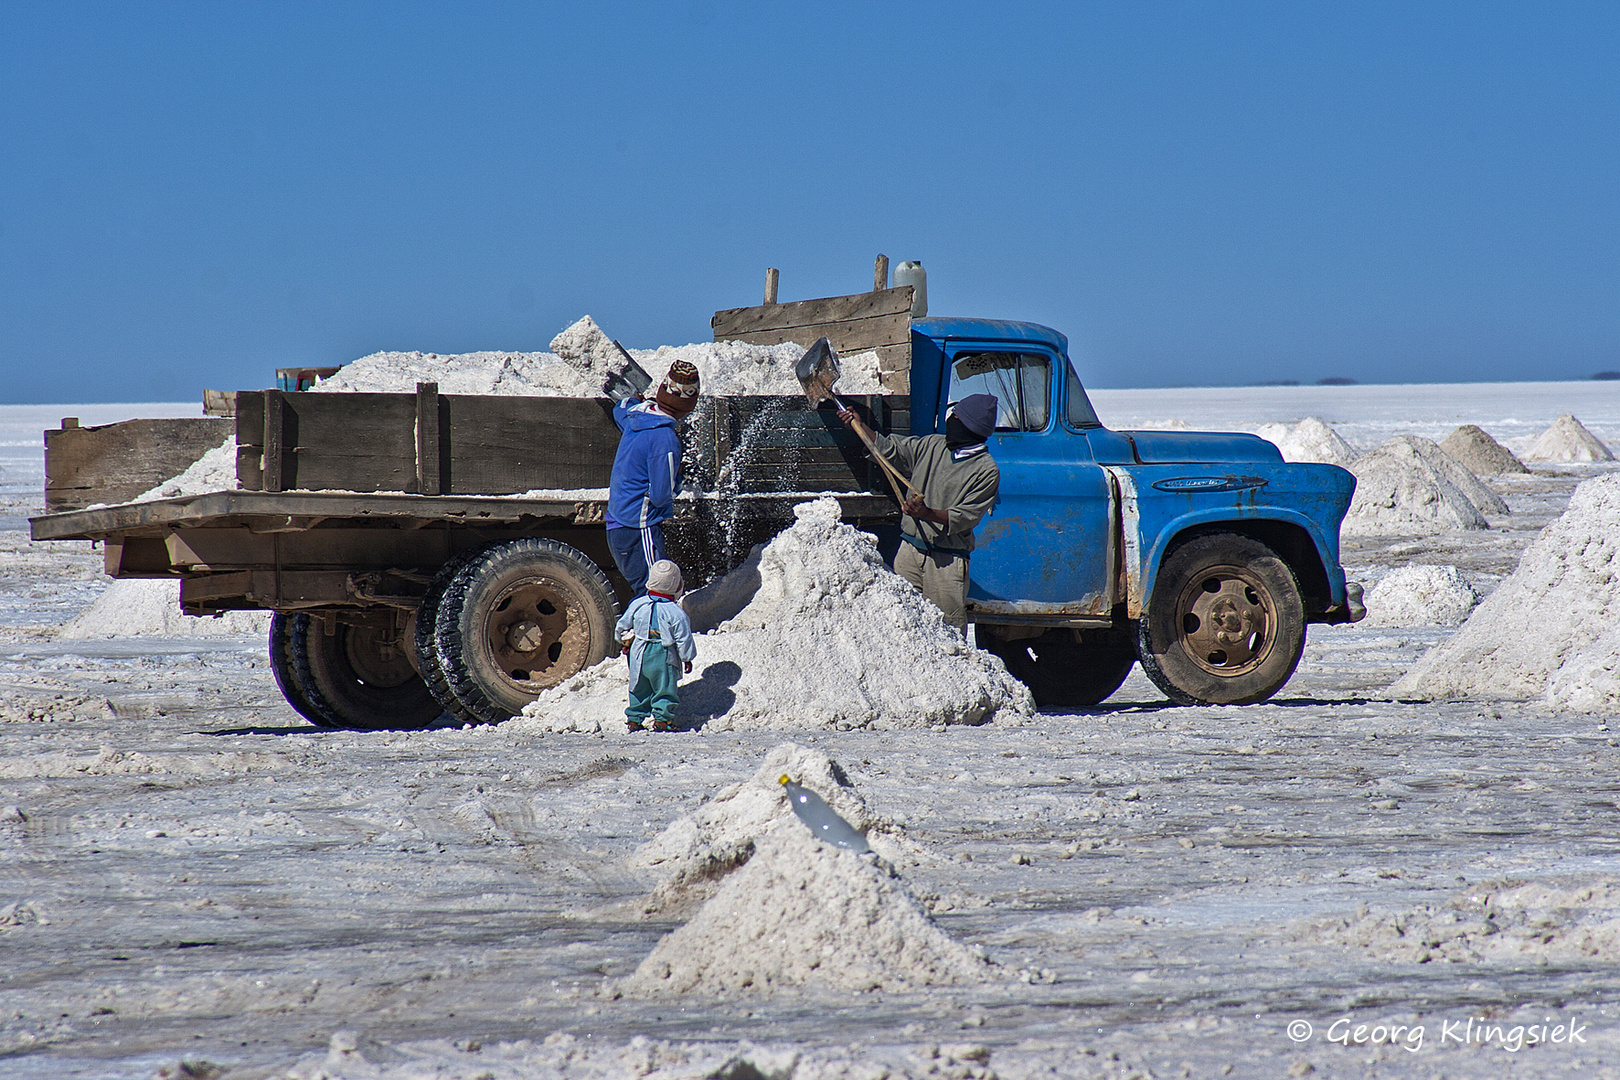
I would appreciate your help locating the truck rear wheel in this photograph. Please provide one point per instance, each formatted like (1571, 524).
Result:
(359, 676)
(1061, 671)
(1225, 624)
(520, 618)
(281, 665)
(427, 614)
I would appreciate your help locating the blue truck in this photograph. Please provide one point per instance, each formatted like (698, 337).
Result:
(428, 553)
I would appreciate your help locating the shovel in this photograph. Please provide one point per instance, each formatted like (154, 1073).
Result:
(817, 371)
(632, 382)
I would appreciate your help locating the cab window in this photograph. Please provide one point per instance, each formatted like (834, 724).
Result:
(1020, 382)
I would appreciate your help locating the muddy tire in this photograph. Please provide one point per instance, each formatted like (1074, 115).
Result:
(517, 619)
(359, 677)
(427, 660)
(1225, 624)
(1061, 671)
(281, 666)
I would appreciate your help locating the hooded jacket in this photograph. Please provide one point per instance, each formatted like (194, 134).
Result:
(646, 469)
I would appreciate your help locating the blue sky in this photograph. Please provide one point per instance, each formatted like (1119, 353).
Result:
(192, 195)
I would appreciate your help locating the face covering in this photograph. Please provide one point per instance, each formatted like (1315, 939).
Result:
(957, 435)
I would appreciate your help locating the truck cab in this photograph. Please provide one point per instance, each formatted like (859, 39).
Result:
(1068, 579)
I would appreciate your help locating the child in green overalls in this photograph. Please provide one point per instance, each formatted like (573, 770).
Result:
(657, 636)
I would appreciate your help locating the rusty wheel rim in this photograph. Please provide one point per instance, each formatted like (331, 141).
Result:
(1225, 621)
(537, 634)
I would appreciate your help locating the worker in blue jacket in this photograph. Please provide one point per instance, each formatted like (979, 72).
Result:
(647, 472)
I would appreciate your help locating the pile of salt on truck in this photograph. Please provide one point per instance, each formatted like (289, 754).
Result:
(430, 554)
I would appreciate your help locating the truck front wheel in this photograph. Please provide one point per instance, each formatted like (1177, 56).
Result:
(1061, 671)
(1225, 624)
(520, 618)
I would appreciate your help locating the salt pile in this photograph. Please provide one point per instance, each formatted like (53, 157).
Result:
(1420, 595)
(804, 914)
(141, 607)
(1567, 441)
(214, 471)
(1564, 595)
(582, 359)
(1472, 448)
(696, 850)
(1542, 922)
(1410, 487)
(1310, 440)
(832, 639)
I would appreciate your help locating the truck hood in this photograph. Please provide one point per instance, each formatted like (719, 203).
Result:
(1201, 447)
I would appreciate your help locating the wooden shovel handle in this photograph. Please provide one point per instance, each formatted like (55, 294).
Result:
(895, 479)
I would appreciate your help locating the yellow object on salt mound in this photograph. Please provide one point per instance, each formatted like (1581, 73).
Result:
(804, 914)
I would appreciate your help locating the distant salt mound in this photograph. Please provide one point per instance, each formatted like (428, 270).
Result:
(1420, 595)
(1310, 440)
(831, 639)
(1402, 489)
(802, 914)
(698, 849)
(214, 471)
(136, 607)
(582, 359)
(1474, 449)
(1567, 441)
(1563, 596)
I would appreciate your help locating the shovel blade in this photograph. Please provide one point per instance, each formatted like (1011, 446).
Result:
(817, 371)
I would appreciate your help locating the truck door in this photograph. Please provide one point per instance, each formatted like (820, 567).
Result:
(1045, 548)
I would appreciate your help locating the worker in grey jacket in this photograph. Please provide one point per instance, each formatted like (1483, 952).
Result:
(956, 481)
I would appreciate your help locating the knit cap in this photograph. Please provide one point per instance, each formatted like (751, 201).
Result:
(678, 393)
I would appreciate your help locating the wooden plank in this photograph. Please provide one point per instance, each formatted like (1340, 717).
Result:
(350, 442)
(427, 438)
(847, 335)
(113, 463)
(501, 445)
(733, 323)
(273, 441)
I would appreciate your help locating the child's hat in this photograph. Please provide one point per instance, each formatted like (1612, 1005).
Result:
(665, 577)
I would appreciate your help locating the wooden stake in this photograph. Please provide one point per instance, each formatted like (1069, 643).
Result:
(772, 275)
(880, 274)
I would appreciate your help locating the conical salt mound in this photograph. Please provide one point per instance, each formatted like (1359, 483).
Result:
(133, 607)
(696, 850)
(802, 913)
(1419, 595)
(1562, 597)
(1567, 441)
(1402, 490)
(1313, 439)
(832, 639)
(1474, 449)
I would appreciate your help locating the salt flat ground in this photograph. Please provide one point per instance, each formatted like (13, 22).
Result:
(199, 875)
